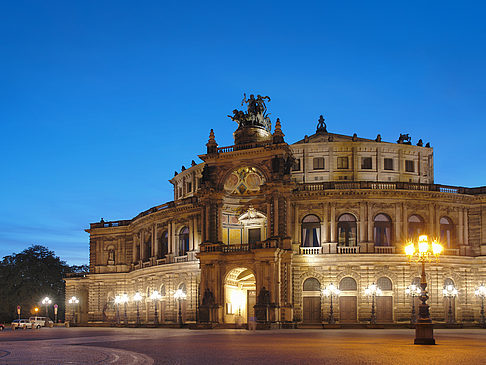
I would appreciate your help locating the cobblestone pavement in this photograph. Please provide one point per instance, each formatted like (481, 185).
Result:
(176, 346)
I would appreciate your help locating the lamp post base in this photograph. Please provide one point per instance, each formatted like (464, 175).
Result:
(424, 334)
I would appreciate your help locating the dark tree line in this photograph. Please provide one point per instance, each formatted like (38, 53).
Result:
(29, 276)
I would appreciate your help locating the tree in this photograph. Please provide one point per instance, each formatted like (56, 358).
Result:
(29, 276)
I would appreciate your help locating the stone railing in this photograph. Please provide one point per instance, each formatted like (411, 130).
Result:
(181, 258)
(241, 147)
(347, 250)
(372, 185)
(172, 204)
(219, 247)
(451, 251)
(310, 250)
(385, 249)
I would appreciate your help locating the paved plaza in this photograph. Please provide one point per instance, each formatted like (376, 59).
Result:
(184, 346)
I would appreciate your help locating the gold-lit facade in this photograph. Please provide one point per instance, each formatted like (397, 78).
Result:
(258, 229)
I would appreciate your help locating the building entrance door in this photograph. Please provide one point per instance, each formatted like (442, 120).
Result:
(347, 309)
(251, 301)
(312, 309)
(384, 309)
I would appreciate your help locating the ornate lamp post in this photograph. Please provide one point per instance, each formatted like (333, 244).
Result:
(423, 252)
(137, 298)
(46, 301)
(330, 291)
(124, 300)
(413, 291)
(155, 296)
(450, 292)
(481, 292)
(117, 304)
(372, 291)
(179, 295)
(74, 301)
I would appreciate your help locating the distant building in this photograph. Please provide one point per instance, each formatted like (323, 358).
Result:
(259, 228)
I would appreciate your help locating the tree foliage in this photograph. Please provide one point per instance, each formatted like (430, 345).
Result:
(28, 277)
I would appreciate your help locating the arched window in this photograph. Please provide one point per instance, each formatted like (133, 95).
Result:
(162, 290)
(446, 232)
(312, 284)
(416, 226)
(416, 281)
(382, 230)
(182, 287)
(148, 249)
(183, 241)
(347, 230)
(348, 284)
(311, 231)
(384, 283)
(448, 281)
(163, 244)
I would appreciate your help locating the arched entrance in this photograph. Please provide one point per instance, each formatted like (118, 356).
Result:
(311, 301)
(239, 295)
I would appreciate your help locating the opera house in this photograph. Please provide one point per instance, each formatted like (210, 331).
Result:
(259, 228)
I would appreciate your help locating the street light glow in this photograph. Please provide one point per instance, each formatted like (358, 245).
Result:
(73, 300)
(137, 297)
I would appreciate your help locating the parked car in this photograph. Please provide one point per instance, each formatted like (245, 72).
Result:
(2, 326)
(21, 323)
(38, 322)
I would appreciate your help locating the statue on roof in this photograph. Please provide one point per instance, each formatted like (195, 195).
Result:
(404, 139)
(321, 126)
(256, 114)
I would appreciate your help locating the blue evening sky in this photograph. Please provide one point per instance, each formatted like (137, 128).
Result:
(102, 100)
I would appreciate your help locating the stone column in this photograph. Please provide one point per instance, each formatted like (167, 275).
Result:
(466, 227)
(431, 219)
(155, 246)
(398, 224)
(405, 221)
(134, 249)
(142, 244)
(325, 223)
(370, 237)
(191, 233)
(275, 216)
(362, 224)
(296, 224)
(460, 230)
(333, 223)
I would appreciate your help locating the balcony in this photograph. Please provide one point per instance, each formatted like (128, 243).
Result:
(385, 249)
(372, 185)
(310, 250)
(344, 250)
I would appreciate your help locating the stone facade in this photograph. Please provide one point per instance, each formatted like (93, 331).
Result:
(257, 229)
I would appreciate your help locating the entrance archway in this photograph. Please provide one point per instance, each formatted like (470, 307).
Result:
(239, 295)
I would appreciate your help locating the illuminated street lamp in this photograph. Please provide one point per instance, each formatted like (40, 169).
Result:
(155, 296)
(424, 251)
(413, 291)
(74, 301)
(124, 300)
(179, 295)
(117, 305)
(330, 291)
(481, 292)
(46, 301)
(450, 292)
(137, 298)
(372, 291)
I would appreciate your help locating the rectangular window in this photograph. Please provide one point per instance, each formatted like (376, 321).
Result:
(388, 164)
(319, 163)
(189, 187)
(366, 163)
(342, 163)
(296, 165)
(409, 167)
